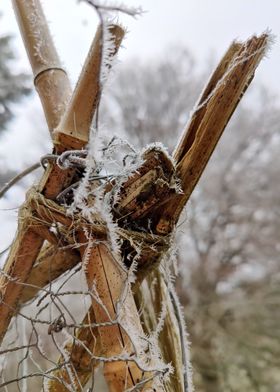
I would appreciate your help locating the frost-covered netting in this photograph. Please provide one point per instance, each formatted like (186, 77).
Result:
(59, 322)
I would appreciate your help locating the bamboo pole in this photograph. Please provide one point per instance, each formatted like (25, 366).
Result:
(188, 136)
(203, 132)
(24, 251)
(150, 297)
(50, 79)
(73, 131)
(197, 147)
(108, 279)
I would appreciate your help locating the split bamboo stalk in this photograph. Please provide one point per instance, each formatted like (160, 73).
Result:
(73, 130)
(81, 109)
(188, 136)
(24, 251)
(206, 126)
(188, 147)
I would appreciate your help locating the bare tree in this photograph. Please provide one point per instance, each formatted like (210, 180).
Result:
(151, 102)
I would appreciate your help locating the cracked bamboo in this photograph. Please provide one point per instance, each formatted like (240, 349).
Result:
(109, 279)
(73, 130)
(209, 120)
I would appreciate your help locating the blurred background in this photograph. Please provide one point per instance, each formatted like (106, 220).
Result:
(228, 241)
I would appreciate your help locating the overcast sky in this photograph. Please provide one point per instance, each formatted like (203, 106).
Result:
(201, 25)
(204, 26)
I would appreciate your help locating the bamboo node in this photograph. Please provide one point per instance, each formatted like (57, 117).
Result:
(46, 69)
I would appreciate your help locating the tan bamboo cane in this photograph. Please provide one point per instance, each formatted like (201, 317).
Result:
(151, 296)
(75, 127)
(50, 79)
(207, 124)
(188, 135)
(81, 110)
(71, 132)
(109, 279)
